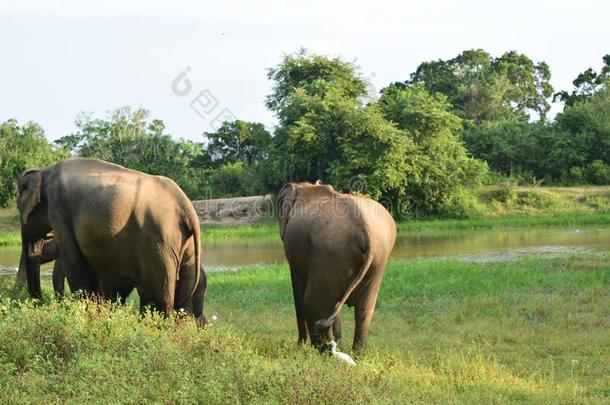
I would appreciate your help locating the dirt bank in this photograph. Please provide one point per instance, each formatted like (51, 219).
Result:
(234, 211)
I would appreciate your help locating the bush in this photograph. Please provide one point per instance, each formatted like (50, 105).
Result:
(597, 172)
(506, 191)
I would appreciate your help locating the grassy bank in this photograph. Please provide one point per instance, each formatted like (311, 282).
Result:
(528, 331)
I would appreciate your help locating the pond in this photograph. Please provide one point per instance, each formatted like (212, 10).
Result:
(471, 244)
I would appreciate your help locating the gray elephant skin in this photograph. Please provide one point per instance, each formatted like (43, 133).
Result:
(50, 252)
(116, 229)
(337, 246)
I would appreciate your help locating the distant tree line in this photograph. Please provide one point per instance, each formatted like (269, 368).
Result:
(421, 145)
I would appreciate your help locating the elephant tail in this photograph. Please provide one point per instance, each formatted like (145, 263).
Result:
(196, 229)
(191, 225)
(327, 322)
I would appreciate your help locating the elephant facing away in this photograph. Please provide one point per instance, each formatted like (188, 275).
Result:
(116, 229)
(337, 246)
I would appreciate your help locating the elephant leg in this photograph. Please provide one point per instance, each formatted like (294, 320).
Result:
(337, 327)
(364, 311)
(316, 308)
(199, 298)
(186, 286)
(297, 292)
(123, 293)
(160, 288)
(58, 279)
(145, 301)
(115, 294)
(78, 272)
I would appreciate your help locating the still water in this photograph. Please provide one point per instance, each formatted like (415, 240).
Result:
(475, 245)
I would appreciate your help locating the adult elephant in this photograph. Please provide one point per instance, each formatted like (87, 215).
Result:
(116, 229)
(337, 246)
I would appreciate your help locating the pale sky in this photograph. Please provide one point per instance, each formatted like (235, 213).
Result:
(58, 58)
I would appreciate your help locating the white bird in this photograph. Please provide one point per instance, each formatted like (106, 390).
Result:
(340, 355)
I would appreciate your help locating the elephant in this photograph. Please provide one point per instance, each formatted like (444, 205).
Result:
(116, 229)
(337, 246)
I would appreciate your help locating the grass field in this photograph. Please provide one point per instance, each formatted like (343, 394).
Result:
(444, 332)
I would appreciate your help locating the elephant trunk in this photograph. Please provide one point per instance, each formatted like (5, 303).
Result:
(31, 253)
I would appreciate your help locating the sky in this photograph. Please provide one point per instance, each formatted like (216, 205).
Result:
(61, 58)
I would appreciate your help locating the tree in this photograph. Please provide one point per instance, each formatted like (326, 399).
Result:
(516, 148)
(483, 88)
(22, 147)
(444, 169)
(403, 148)
(237, 141)
(586, 84)
(587, 124)
(306, 90)
(127, 138)
(313, 75)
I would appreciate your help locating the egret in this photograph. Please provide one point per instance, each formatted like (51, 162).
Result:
(340, 355)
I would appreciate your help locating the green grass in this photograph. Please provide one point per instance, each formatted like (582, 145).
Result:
(444, 332)
(264, 229)
(9, 227)
(544, 220)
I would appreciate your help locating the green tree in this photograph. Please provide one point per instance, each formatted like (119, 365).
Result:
(586, 84)
(21, 147)
(522, 149)
(483, 88)
(307, 89)
(237, 141)
(313, 75)
(444, 169)
(394, 148)
(129, 139)
(587, 124)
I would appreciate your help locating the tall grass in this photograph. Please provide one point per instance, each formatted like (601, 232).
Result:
(444, 332)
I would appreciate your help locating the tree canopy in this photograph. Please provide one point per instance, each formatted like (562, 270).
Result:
(483, 88)
(586, 84)
(22, 147)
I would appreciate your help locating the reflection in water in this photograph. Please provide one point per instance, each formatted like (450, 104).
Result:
(476, 244)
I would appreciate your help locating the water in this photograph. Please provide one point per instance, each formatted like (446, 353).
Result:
(481, 245)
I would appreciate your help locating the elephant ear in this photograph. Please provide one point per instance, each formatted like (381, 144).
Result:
(30, 184)
(285, 201)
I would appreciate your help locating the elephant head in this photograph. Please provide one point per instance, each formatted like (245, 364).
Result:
(287, 198)
(285, 201)
(34, 225)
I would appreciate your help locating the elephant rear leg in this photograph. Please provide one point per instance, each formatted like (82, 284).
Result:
(160, 288)
(188, 284)
(58, 279)
(337, 327)
(81, 278)
(199, 298)
(316, 309)
(298, 292)
(123, 293)
(364, 313)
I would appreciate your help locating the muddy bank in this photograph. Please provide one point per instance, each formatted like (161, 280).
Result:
(234, 211)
